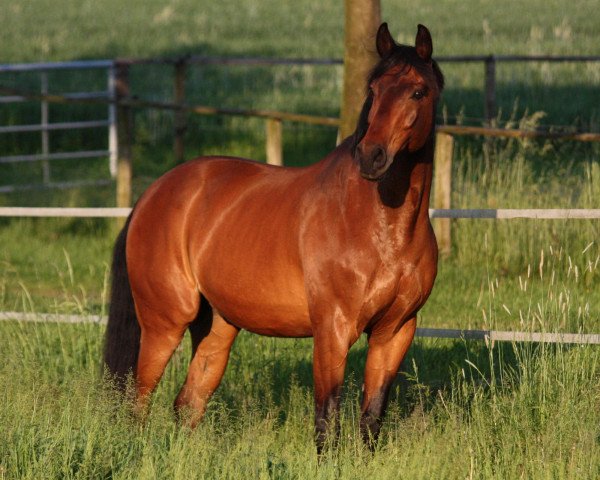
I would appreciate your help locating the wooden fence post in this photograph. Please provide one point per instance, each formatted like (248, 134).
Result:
(274, 142)
(490, 90)
(444, 149)
(180, 115)
(124, 137)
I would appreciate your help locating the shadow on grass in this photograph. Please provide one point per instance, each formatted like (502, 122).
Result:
(431, 366)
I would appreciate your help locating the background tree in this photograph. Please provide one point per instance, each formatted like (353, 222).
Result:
(362, 18)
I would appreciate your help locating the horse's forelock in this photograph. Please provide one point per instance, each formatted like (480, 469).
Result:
(405, 55)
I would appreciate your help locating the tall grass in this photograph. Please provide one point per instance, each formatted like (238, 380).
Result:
(460, 410)
(524, 175)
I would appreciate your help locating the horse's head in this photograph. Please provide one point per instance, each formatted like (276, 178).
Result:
(399, 112)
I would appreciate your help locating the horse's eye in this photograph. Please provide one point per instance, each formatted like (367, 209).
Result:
(418, 95)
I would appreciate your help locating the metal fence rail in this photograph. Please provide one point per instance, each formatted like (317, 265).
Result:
(487, 335)
(499, 213)
(58, 212)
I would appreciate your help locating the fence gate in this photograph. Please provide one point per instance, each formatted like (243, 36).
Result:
(41, 151)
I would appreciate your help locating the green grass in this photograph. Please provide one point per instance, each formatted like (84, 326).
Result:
(459, 410)
(33, 31)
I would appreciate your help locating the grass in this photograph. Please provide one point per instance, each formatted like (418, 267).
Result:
(459, 410)
(110, 28)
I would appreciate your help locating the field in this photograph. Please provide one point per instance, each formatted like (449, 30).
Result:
(459, 409)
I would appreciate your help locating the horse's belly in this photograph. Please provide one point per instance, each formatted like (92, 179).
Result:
(256, 286)
(278, 313)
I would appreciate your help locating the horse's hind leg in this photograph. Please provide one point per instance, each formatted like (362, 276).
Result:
(211, 341)
(160, 335)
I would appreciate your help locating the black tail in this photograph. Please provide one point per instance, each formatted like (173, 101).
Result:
(122, 340)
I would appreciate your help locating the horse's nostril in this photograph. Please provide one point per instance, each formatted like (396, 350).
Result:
(378, 157)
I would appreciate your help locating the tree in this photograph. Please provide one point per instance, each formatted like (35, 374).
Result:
(362, 19)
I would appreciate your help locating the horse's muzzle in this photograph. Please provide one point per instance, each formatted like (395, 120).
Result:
(373, 160)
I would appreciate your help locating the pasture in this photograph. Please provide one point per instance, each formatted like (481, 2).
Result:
(459, 409)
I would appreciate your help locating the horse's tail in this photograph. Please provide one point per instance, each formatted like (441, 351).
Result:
(122, 339)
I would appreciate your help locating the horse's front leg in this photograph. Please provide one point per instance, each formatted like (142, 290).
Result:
(386, 352)
(332, 341)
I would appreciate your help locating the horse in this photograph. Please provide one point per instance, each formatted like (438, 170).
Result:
(329, 251)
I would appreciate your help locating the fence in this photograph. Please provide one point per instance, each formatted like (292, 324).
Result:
(486, 335)
(181, 66)
(45, 127)
(119, 88)
(444, 151)
(496, 213)
(120, 104)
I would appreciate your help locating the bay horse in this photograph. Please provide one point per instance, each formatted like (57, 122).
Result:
(328, 251)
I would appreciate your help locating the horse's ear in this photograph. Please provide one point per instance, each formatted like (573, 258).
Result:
(385, 42)
(423, 43)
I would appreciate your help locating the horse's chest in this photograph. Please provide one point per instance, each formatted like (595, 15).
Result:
(401, 287)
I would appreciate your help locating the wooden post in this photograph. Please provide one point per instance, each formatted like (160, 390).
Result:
(444, 149)
(362, 19)
(274, 143)
(490, 90)
(490, 102)
(180, 116)
(124, 137)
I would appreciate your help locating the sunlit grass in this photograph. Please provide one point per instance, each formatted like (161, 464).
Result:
(459, 410)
